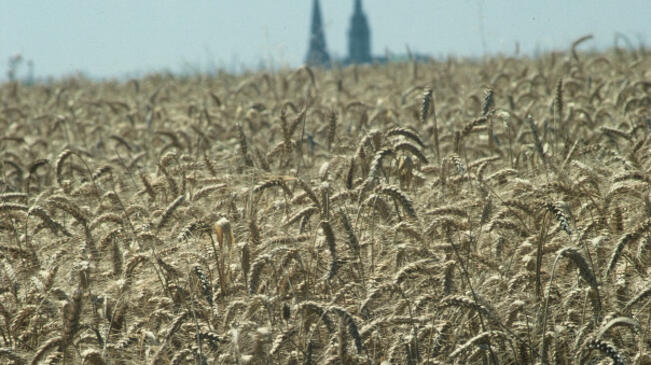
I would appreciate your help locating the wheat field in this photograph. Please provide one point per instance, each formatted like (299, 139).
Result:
(492, 211)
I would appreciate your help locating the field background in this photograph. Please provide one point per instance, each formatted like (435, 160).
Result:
(486, 212)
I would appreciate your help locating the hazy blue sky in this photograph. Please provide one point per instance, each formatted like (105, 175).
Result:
(116, 38)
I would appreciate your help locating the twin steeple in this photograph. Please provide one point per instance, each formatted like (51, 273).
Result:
(359, 35)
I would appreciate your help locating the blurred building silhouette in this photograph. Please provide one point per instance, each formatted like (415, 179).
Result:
(359, 42)
(317, 53)
(359, 37)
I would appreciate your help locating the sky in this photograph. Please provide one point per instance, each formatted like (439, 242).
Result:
(126, 38)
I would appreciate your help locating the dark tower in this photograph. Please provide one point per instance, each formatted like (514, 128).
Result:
(317, 54)
(359, 37)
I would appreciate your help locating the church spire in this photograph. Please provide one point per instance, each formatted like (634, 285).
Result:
(317, 53)
(359, 37)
